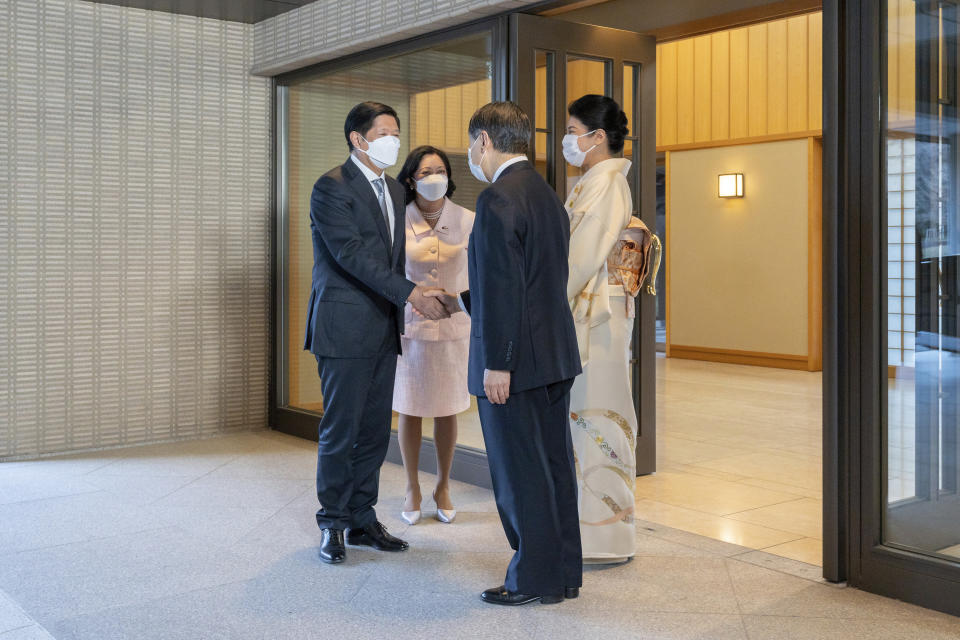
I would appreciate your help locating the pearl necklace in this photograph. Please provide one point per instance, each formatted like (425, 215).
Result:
(432, 217)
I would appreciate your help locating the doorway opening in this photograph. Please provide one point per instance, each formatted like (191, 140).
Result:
(738, 312)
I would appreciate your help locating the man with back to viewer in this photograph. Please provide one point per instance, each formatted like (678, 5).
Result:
(523, 358)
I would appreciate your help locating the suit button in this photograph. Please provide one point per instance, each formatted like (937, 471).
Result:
(434, 250)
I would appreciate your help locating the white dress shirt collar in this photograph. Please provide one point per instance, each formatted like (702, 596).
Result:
(506, 164)
(371, 176)
(367, 171)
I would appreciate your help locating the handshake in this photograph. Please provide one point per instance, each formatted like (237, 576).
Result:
(433, 302)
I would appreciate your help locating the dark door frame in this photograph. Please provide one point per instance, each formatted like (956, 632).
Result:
(855, 412)
(529, 33)
(470, 465)
(287, 419)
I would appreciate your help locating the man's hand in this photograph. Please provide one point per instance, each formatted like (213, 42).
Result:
(450, 301)
(496, 384)
(426, 305)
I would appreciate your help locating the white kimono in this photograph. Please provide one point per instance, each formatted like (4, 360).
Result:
(603, 421)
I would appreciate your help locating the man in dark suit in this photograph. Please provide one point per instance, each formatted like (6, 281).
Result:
(523, 358)
(354, 322)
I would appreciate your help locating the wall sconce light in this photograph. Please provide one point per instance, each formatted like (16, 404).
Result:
(730, 185)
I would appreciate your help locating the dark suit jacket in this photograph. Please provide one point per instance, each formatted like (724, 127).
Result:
(520, 319)
(359, 288)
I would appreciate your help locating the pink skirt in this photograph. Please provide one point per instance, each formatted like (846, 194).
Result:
(432, 378)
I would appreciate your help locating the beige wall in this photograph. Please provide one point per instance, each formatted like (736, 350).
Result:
(134, 228)
(738, 267)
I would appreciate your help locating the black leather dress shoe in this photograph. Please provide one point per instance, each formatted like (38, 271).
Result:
(571, 592)
(376, 536)
(332, 550)
(500, 595)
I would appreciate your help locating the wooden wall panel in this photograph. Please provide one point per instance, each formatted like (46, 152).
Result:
(471, 97)
(751, 82)
(436, 130)
(797, 78)
(777, 77)
(739, 55)
(667, 115)
(439, 117)
(907, 61)
(702, 90)
(720, 87)
(815, 71)
(901, 67)
(757, 78)
(685, 73)
(659, 92)
(454, 129)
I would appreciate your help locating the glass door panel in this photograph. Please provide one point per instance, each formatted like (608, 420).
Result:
(544, 133)
(631, 146)
(922, 152)
(435, 90)
(584, 76)
(555, 62)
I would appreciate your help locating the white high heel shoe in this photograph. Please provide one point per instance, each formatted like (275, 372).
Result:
(411, 517)
(444, 515)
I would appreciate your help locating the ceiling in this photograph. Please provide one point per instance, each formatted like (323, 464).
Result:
(234, 10)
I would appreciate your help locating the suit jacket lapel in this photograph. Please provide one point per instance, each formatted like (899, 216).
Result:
(364, 189)
(399, 219)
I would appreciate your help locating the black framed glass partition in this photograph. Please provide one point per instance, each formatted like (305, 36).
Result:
(435, 84)
(922, 177)
(892, 387)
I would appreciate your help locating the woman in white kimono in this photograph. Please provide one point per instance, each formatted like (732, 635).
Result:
(602, 416)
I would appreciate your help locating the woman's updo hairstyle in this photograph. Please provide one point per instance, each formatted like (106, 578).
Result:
(601, 112)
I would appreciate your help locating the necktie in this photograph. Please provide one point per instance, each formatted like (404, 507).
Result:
(381, 196)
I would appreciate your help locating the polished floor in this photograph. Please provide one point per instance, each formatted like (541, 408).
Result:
(738, 456)
(217, 539)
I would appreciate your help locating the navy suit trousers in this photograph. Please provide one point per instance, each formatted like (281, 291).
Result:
(534, 480)
(354, 436)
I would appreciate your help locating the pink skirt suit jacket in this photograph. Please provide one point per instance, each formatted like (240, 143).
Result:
(432, 372)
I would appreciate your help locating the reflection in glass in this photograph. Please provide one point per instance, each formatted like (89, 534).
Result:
(543, 140)
(629, 87)
(661, 280)
(584, 76)
(923, 278)
(631, 75)
(435, 91)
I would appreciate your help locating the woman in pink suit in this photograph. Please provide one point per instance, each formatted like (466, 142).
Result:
(432, 372)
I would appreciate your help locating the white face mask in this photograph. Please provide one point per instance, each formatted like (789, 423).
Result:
(475, 168)
(383, 151)
(571, 148)
(432, 187)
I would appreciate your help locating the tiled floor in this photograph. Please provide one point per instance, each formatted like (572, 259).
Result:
(738, 456)
(216, 539)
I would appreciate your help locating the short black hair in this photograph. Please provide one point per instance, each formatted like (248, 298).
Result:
(412, 164)
(362, 116)
(506, 124)
(600, 112)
